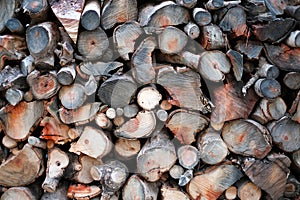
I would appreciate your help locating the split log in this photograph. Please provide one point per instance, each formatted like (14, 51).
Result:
(184, 89)
(81, 115)
(131, 110)
(7, 11)
(27, 65)
(36, 9)
(212, 148)
(90, 87)
(292, 80)
(192, 30)
(14, 96)
(217, 4)
(186, 124)
(270, 174)
(90, 18)
(268, 88)
(188, 156)
(58, 160)
(15, 26)
(176, 171)
(213, 38)
(92, 44)
(172, 193)
(125, 36)
(92, 142)
(60, 193)
(12, 77)
(293, 11)
(43, 86)
(19, 193)
(247, 138)
(68, 13)
(148, 98)
(286, 134)
(292, 187)
(127, 149)
(136, 187)
(19, 120)
(81, 192)
(66, 75)
(211, 184)
(201, 16)
(213, 65)
(41, 41)
(150, 162)
(252, 49)
(87, 163)
(236, 60)
(23, 168)
(187, 3)
(102, 121)
(97, 68)
(116, 11)
(141, 126)
(248, 190)
(73, 96)
(231, 193)
(117, 91)
(141, 61)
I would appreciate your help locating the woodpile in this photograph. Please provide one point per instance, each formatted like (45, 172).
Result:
(132, 99)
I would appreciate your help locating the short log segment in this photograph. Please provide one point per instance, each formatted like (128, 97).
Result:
(192, 30)
(150, 160)
(66, 75)
(15, 26)
(201, 16)
(292, 80)
(36, 9)
(231, 193)
(269, 174)
(268, 88)
(148, 98)
(23, 193)
(168, 192)
(73, 96)
(7, 11)
(212, 183)
(188, 156)
(248, 190)
(293, 11)
(127, 149)
(90, 18)
(212, 37)
(236, 60)
(186, 124)
(247, 137)
(14, 96)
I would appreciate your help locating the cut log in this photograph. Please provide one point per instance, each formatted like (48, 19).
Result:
(68, 13)
(8, 142)
(286, 134)
(142, 67)
(127, 149)
(172, 40)
(188, 156)
(172, 193)
(292, 80)
(125, 36)
(111, 113)
(97, 68)
(186, 177)
(231, 193)
(186, 124)
(201, 16)
(292, 187)
(217, 4)
(213, 65)
(212, 148)
(90, 18)
(118, 11)
(136, 187)
(176, 171)
(270, 174)
(19, 193)
(276, 7)
(247, 137)
(184, 89)
(36, 9)
(236, 60)
(248, 190)
(14, 96)
(92, 44)
(12, 77)
(58, 160)
(87, 163)
(19, 120)
(162, 115)
(231, 104)
(293, 11)
(148, 98)
(90, 87)
(192, 30)
(27, 65)
(102, 121)
(73, 96)
(117, 91)
(268, 88)
(15, 26)
(23, 168)
(66, 50)
(293, 39)
(214, 182)
(92, 142)
(7, 11)
(66, 75)
(141, 126)
(60, 193)
(81, 115)
(150, 160)
(131, 110)
(187, 3)
(36, 142)
(43, 86)
(252, 49)
(213, 38)
(81, 192)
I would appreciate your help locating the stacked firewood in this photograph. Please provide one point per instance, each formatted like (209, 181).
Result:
(133, 99)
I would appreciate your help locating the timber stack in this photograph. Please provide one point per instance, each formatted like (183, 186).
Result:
(133, 99)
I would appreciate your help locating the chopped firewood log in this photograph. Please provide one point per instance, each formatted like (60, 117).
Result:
(187, 3)
(172, 193)
(27, 65)
(213, 65)
(136, 187)
(201, 16)
(127, 149)
(236, 60)
(8, 142)
(125, 36)
(60, 193)
(164, 14)
(92, 142)
(192, 30)
(269, 174)
(83, 192)
(23, 193)
(14, 96)
(66, 50)
(103, 122)
(286, 134)
(269, 109)
(15, 26)
(276, 7)
(212, 183)
(176, 171)
(212, 148)
(111, 176)
(131, 110)
(19, 120)
(186, 124)
(188, 156)
(58, 160)
(12, 77)
(118, 11)
(117, 91)
(92, 44)
(141, 61)
(97, 68)
(90, 18)
(139, 127)
(293, 11)
(68, 13)
(217, 4)
(231, 104)
(247, 137)
(73, 96)
(75, 133)
(90, 87)
(293, 40)
(162, 115)
(84, 175)
(172, 40)
(7, 10)
(268, 88)
(148, 98)
(150, 160)
(36, 9)
(248, 190)
(110, 113)
(292, 188)
(55, 131)
(81, 115)
(36, 142)
(231, 193)
(212, 37)
(184, 89)
(292, 80)
(186, 177)
(23, 168)
(252, 49)
(66, 75)
(43, 86)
